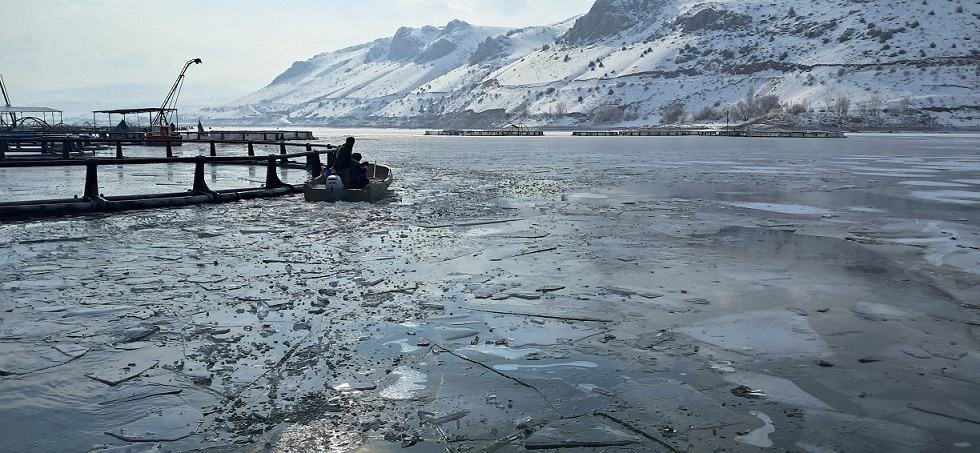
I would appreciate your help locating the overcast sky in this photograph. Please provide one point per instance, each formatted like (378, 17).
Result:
(57, 44)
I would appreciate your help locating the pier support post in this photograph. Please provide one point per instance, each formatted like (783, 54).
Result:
(119, 154)
(272, 180)
(3, 149)
(213, 150)
(200, 185)
(313, 164)
(251, 148)
(170, 150)
(92, 183)
(44, 147)
(66, 149)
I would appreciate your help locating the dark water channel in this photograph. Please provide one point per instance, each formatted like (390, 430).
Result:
(582, 293)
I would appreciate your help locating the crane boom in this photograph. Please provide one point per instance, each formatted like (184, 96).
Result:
(170, 102)
(6, 100)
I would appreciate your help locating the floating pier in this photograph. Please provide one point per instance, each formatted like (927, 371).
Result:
(247, 135)
(489, 133)
(199, 192)
(742, 132)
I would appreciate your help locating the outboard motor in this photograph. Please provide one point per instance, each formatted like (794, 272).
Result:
(334, 184)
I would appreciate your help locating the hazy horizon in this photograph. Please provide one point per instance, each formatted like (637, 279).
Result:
(56, 44)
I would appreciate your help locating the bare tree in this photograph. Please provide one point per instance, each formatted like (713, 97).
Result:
(874, 105)
(766, 104)
(862, 109)
(607, 113)
(742, 111)
(842, 105)
(559, 110)
(903, 106)
(673, 113)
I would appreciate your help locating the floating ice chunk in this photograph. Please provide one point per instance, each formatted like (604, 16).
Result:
(516, 366)
(948, 196)
(932, 184)
(429, 417)
(502, 351)
(724, 367)
(880, 311)
(405, 345)
(170, 424)
(777, 389)
(119, 373)
(783, 208)
(585, 196)
(759, 437)
(408, 382)
(353, 383)
(19, 358)
(455, 333)
(769, 332)
(578, 433)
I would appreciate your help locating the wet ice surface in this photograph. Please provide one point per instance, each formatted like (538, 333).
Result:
(664, 295)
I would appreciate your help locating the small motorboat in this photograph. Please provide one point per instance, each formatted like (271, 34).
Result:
(330, 188)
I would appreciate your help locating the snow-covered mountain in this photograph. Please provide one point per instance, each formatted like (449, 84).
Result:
(647, 62)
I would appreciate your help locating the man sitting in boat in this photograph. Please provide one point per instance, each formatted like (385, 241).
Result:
(357, 172)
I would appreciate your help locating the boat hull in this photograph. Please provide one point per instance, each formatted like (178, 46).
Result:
(376, 189)
(163, 140)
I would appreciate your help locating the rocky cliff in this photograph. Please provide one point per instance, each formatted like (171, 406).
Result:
(847, 63)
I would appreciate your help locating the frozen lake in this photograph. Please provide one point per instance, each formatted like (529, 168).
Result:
(604, 293)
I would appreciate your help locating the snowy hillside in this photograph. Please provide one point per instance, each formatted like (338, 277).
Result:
(850, 63)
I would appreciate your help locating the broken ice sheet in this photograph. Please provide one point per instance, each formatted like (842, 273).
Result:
(36, 286)
(352, 383)
(18, 329)
(773, 333)
(580, 432)
(759, 437)
(165, 425)
(778, 389)
(122, 372)
(140, 392)
(520, 331)
(18, 358)
(501, 351)
(493, 402)
(455, 333)
(880, 312)
(137, 332)
(407, 382)
(662, 401)
(957, 410)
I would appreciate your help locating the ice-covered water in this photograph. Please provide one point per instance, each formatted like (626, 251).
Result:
(558, 285)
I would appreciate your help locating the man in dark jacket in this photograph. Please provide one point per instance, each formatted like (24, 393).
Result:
(342, 164)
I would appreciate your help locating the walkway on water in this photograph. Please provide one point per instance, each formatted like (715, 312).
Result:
(199, 192)
(489, 133)
(709, 133)
(738, 132)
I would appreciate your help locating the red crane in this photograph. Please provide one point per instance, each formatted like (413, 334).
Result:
(170, 103)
